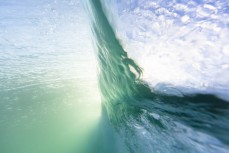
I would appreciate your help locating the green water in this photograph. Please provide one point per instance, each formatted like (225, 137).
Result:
(46, 112)
(62, 99)
(49, 97)
(142, 120)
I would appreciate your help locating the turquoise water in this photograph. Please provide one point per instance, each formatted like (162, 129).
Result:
(71, 84)
(147, 121)
(49, 98)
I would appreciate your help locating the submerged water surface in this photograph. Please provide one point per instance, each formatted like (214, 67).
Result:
(49, 97)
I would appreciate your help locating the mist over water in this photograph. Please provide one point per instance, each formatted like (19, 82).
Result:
(114, 76)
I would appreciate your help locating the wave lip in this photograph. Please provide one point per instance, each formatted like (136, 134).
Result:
(180, 43)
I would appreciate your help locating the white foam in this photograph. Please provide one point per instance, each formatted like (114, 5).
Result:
(181, 44)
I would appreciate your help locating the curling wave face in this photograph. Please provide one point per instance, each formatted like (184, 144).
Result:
(136, 118)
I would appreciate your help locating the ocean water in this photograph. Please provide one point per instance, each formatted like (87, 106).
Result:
(49, 97)
(114, 76)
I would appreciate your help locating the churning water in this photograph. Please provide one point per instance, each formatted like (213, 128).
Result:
(155, 78)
